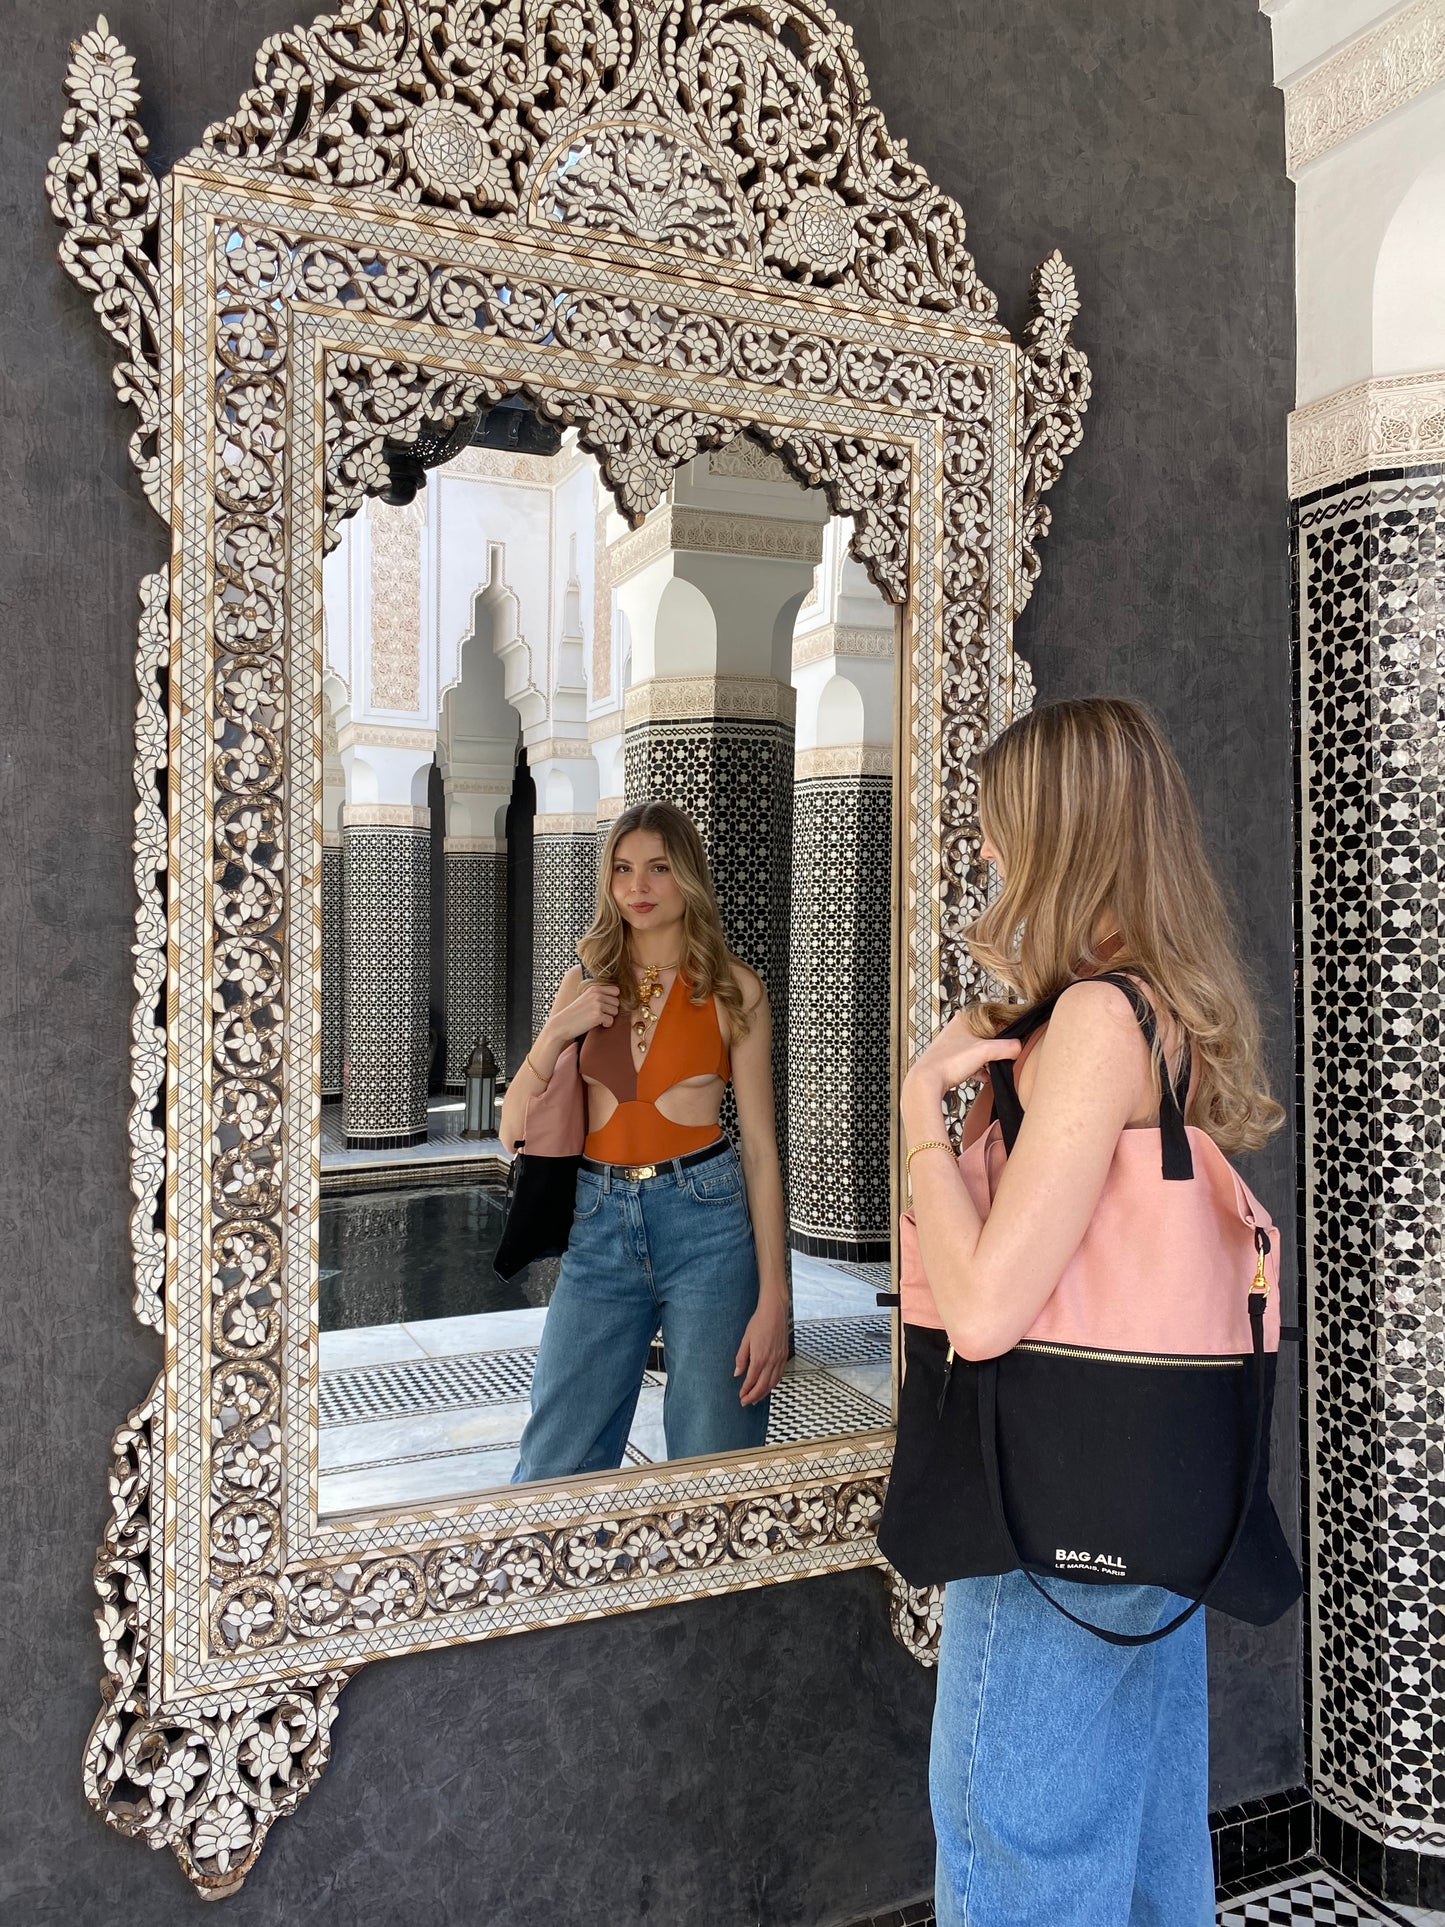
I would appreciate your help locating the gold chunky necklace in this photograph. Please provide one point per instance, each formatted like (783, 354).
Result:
(649, 990)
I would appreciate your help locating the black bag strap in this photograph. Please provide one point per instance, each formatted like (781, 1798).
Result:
(1176, 1158)
(988, 1440)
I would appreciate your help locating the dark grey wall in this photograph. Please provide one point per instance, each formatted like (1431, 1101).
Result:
(753, 1760)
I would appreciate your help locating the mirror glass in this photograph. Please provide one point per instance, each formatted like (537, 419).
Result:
(508, 667)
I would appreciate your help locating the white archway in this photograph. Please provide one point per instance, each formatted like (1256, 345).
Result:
(1408, 293)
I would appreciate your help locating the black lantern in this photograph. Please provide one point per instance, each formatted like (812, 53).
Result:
(481, 1091)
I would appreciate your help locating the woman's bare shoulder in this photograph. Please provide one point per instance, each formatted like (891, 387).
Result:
(749, 983)
(1096, 1022)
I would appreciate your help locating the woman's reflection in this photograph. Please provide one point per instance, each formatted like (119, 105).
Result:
(672, 1229)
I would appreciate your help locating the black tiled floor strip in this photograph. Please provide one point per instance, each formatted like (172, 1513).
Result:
(1256, 1839)
(1411, 1879)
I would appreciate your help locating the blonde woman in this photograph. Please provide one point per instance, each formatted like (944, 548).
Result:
(1069, 1777)
(672, 1230)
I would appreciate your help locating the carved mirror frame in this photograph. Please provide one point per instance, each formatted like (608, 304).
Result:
(668, 222)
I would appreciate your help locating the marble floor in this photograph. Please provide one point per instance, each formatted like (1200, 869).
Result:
(444, 1142)
(433, 1409)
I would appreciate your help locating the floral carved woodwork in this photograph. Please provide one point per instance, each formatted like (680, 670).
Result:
(208, 1779)
(668, 226)
(108, 201)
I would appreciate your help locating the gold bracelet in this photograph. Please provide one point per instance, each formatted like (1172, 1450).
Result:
(931, 1144)
(527, 1060)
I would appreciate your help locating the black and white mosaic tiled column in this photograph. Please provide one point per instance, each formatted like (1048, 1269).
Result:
(476, 883)
(1370, 577)
(839, 1015)
(333, 1007)
(564, 900)
(722, 749)
(387, 974)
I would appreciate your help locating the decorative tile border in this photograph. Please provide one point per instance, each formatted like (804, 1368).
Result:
(1391, 421)
(1397, 62)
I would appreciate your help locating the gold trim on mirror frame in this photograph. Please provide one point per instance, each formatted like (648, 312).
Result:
(298, 294)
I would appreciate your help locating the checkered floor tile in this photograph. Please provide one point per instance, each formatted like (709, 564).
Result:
(1314, 1901)
(845, 1341)
(879, 1275)
(806, 1405)
(815, 1405)
(426, 1385)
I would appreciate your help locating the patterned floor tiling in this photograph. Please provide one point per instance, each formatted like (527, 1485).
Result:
(1312, 1900)
(841, 1341)
(1315, 1900)
(813, 1405)
(806, 1405)
(879, 1275)
(428, 1385)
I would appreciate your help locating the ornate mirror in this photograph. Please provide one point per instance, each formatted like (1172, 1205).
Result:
(551, 407)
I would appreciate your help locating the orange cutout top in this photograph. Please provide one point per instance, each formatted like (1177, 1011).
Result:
(687, 1041)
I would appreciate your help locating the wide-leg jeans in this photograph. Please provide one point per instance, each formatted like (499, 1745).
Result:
(1069, 1778)
(673, 1252)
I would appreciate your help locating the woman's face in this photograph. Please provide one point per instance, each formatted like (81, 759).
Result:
(643, 885)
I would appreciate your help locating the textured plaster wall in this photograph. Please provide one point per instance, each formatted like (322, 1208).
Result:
(753, 1760)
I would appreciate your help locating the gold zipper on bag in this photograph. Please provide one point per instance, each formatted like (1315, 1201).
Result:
(1206, 1364)
(1116, 1358)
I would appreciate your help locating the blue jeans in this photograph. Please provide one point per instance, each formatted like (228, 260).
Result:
(1069, 1778)
(674, 1251)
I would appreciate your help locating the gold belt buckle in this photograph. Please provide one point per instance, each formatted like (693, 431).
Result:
(635, 1173)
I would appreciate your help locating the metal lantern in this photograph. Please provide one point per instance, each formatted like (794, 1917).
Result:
(481, 1091)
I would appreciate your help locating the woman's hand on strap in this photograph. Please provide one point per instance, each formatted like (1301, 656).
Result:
(576, 1008)
(595, 1004)
(957, 1055)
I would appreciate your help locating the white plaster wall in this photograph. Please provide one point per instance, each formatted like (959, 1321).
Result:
(346, 599)
(1370, 218)
(1409, 290)
(844, 700)
(471, 517)
(573, 569)
(1305, 32)
(1369, 244)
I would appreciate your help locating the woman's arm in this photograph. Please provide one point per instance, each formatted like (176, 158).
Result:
(991, 1278)
(576, 1008)
(764, 1350)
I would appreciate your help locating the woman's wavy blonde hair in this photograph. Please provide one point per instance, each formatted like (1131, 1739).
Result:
(1096, 832)
(705, 958)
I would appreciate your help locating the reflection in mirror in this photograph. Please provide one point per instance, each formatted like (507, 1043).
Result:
(508, 667)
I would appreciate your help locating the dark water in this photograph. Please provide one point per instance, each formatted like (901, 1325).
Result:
(391, 1256)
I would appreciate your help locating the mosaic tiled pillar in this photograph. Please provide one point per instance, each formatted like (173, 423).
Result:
(333, 1004)
(476, 951)
(1370, 571)
(387, 974)
(722, 749)
(839, 1015)
(564, 900)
